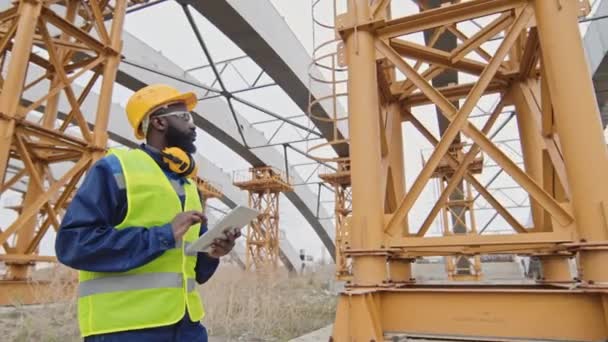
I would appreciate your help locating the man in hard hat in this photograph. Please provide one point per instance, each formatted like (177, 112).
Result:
(128, 225)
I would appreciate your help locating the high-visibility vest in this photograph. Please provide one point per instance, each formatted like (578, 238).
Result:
(159, 292)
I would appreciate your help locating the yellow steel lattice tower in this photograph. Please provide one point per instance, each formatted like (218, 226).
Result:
(537, 66)
(52, 54)
(340, 180)
(264, 185)
(52, 45)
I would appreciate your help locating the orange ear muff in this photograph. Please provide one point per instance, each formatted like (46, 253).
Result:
(178, 161)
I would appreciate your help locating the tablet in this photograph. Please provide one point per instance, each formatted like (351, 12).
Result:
(234, 220)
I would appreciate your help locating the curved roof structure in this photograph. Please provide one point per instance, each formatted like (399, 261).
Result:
(261, 32)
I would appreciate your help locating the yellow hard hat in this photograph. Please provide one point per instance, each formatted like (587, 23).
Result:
(150, 98)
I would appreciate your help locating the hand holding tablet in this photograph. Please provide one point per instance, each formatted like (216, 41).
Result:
(233, 222)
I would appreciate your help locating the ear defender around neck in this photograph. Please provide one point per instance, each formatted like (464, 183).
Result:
(178, 161)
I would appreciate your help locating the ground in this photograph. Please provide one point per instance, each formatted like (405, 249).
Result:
(240, 307)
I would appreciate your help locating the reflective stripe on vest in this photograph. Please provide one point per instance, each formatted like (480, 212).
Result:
(134, 282)
(154, 294)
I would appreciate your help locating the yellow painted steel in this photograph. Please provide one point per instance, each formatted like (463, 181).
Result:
(264, 186)
(540, 68)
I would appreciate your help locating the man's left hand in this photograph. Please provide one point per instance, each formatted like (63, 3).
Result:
(222, 247)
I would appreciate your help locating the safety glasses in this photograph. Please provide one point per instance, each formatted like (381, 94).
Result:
(186, 116)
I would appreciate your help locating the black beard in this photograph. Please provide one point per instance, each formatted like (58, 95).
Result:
(179, 139)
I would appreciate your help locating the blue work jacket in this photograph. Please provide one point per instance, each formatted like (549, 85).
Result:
(88, 240)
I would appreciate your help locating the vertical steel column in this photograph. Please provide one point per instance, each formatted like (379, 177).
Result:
(20, 271)
(29, 11)
(341, 212)
(248, 259)
(353, 320)
(100, 133)
(400, 269)
(577, 121)
(272, 232)
(551, 181)
(9, 106)
(365, 154)
(555, 268)
(396, 153)
(531, 147)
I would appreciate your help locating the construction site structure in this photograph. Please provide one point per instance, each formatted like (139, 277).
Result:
(340, 180)
(539, 68)
(264, 185)
(457, 215)
(77, 48)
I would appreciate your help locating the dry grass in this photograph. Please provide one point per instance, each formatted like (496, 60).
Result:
(240, 307)
(45, 322)
(251, 307)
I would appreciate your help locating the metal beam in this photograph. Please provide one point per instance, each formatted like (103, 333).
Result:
(260, 31)
(437, 57)
(466, 10)
(452, 93)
